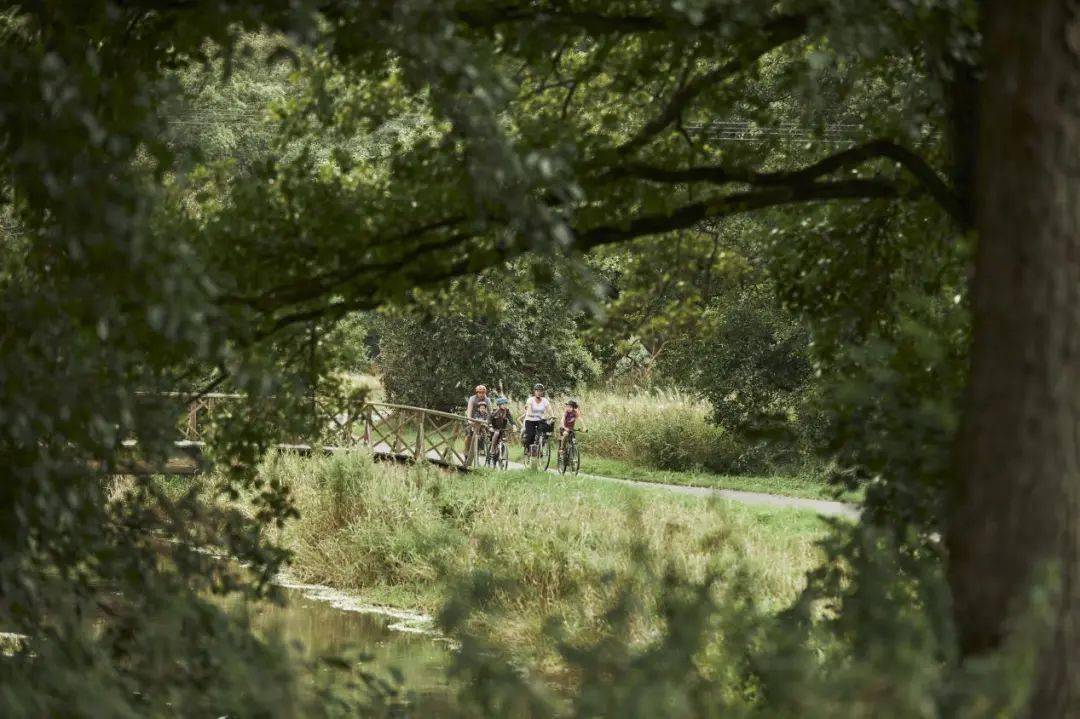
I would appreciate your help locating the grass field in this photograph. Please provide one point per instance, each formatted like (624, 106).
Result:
(552, 546)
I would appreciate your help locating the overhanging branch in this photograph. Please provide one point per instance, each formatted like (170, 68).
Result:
(725, 205)
(589, 238)
(329, 281)
(911, 161)
(594, 22)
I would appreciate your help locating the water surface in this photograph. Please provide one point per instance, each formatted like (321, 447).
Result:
(319, 622)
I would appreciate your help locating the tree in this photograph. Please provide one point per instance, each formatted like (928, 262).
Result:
(434, 356)
(1017, 506)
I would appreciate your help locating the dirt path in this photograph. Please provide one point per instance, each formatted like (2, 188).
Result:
(761, 499)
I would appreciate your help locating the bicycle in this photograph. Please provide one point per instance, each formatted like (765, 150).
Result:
(569, 457)
(477, 441)
(540, 449)
(498, 455)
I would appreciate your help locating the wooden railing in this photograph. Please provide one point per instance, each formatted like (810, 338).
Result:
(390, 430)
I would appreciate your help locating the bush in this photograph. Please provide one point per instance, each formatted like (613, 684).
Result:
(755, 368)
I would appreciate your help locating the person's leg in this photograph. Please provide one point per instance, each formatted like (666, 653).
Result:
(528, 435)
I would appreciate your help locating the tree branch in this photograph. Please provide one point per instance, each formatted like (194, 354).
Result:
(597, 23)
(326, 282)
(694, 213)
(588, 239)
(919, 168)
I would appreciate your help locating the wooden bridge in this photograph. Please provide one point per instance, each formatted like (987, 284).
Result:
(392, 431)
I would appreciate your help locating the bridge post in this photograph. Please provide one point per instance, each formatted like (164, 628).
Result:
(192, 433)
(419, 452)
(470, 454)
(368, 409)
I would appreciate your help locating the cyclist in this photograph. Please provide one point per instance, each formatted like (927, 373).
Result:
(477, 410)
(502, 423)
(570, 417)
(478, 404)
(537, 411)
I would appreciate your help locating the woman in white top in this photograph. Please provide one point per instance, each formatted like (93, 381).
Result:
(537, 410)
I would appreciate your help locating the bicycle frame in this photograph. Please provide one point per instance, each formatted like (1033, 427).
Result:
(541, 442)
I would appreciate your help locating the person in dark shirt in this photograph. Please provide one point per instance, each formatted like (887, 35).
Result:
(502, 423)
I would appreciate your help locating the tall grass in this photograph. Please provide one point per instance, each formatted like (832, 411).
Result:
(551, 546)
(664, 429)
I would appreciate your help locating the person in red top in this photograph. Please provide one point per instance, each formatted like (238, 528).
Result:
(570, 418)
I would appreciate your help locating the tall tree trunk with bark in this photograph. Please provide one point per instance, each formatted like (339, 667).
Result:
(1018, 504)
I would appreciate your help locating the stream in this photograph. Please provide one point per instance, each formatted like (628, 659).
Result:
(320, 621)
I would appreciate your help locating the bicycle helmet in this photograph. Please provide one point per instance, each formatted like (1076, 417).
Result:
(538, 386)
(479, 388)
(502, 401)
(572, 403)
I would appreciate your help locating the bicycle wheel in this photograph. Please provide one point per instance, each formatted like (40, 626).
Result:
(574, 458)
(545, 452)
(563, 464)
(504, 456)
(481, 449)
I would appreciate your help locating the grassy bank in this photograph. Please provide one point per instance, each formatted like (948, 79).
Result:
(552, 547)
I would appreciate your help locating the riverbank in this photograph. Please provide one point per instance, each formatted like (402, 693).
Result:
(544, 547)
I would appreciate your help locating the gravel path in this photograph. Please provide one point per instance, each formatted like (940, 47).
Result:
(761, 499)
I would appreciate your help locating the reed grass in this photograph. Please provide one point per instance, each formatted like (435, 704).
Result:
(667, 430)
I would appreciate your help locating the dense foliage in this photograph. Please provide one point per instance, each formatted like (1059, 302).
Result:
(192, 194)
(499, 331)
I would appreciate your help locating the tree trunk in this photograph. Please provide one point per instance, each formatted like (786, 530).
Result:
(1018, 500)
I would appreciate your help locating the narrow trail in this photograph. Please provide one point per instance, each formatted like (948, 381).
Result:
(823, 507)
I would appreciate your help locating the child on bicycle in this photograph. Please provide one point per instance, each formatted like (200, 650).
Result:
(502, 423)
(571, 415)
